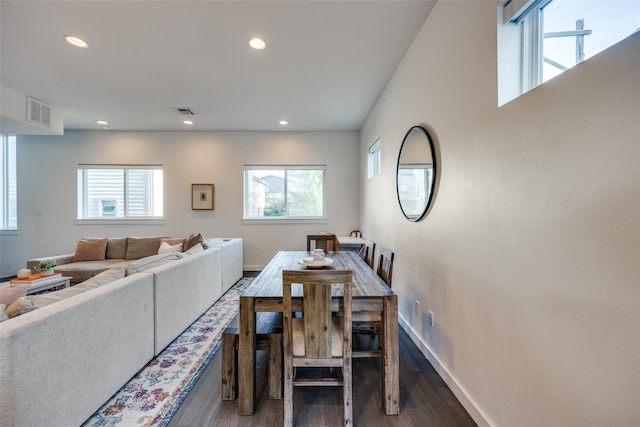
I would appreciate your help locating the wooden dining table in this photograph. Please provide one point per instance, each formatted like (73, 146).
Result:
(370, 293)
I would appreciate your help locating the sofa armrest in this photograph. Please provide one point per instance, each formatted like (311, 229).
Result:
(232, 261)
(60, 259)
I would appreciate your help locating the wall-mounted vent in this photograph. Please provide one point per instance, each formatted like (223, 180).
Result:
(185, 110)
(38, 112)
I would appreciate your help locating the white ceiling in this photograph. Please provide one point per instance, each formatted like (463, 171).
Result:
(325, 64)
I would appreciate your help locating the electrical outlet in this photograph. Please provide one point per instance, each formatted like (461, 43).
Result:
(432, 319)
(416, 307)
(9, 264)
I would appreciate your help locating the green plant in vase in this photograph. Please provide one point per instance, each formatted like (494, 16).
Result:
(46, 267)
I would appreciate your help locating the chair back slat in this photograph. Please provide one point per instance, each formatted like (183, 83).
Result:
(367, 252)
(317, 320)
(385, 265)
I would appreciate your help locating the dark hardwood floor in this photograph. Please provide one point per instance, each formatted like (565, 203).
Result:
(425, 398)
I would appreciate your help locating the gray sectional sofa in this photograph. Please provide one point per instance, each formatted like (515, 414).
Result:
(61, 362)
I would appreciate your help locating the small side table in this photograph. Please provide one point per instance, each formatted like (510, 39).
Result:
(43, 285)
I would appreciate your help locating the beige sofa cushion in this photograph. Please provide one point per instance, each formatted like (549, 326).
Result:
(215, 241)
(141, 247)
(81, 271)
(31, 302)
(117, 248)
(150, 262)
(90, 249)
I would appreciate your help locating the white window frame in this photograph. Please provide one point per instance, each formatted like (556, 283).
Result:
(83, 197)
(519, 47)
(8, 184)
(374, 158)
(286, 219)
(532, 58)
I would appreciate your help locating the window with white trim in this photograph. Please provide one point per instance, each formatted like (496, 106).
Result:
(284, 192)
(540, 39)
(120, 191)
(8, 183)
(374, 156)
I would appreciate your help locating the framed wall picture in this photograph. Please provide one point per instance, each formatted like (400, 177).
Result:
(202, 196)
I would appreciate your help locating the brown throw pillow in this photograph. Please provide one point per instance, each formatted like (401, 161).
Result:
(90, 249)
(193, 240)
(117, 248)
(140, 247)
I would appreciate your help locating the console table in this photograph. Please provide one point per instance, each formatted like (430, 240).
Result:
(348, 243)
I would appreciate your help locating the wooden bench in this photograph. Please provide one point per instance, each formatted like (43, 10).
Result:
(269, 338)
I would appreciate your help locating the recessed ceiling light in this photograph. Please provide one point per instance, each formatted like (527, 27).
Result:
(257, 44)
(76, 41)
(283, 122)
(102, 122)
(187, 122)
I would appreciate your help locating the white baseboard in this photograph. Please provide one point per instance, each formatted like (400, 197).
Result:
(456, 388)
(252, 267)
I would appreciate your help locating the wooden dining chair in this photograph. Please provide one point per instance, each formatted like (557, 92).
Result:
(367, 252)
(317, 339)
(370, 322)
(328, 242)
(385, 265)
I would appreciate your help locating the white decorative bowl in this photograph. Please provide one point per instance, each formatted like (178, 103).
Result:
(24, 273)
(309, 262)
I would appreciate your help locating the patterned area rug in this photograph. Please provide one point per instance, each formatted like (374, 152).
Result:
(153, 396)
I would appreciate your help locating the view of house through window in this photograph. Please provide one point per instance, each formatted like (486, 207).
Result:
(120, 191)
(284, 192)
(8, 184)
(576, 30)
(540, 39)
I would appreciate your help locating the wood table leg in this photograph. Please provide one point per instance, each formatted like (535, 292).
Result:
(390, 353)
(247, 357)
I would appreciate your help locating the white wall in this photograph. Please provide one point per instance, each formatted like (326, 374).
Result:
(47, 180)
(13, 116)
(530, 257)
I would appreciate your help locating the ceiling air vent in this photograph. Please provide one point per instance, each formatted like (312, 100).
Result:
(38, 112)
(185, 110)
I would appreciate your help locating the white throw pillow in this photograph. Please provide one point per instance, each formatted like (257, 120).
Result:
(166, 248)
(195, 249)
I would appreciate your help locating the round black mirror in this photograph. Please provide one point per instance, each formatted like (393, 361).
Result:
(416, 173)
